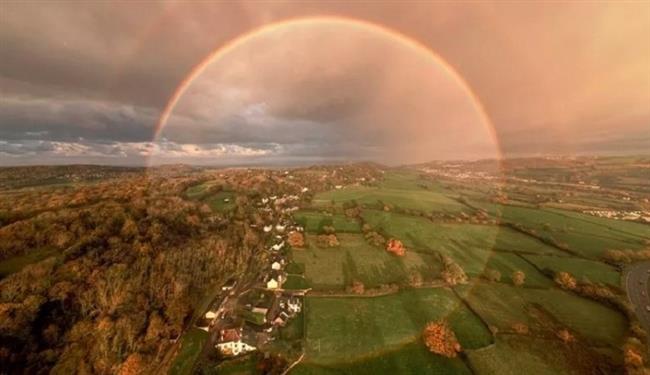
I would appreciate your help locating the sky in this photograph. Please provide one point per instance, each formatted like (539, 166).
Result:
(86, 82)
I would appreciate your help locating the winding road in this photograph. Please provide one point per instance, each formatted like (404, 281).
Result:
(636, 284)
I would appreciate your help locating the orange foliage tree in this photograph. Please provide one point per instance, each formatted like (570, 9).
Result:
(440, 339)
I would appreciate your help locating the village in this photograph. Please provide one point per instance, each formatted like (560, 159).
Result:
(247, 317)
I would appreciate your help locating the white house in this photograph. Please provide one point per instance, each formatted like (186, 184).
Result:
(265, 200)
(276, 266)
(338, 187)
(272, 284)
(280, 228)
(268, 228)
(304, 190)
(234, 348)
(278, 247)
(294, 305)
(210, 315)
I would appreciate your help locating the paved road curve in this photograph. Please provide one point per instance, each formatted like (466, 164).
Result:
(636, 285)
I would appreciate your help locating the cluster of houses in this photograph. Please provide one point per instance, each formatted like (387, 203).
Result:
(262, 310)
(255, 321)
(621, 215)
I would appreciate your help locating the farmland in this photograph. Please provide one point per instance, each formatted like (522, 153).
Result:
(503, 325)
(344, 329)
(520, 274)
(333, 268)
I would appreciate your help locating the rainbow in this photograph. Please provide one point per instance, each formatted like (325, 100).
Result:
(329, 21)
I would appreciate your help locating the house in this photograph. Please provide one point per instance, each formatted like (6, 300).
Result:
(229, 284)
(230, 334)
(338, 187)
(210, 315)
(294, 305)
(278, 321)
(304, 190)
(272, 284)
(268, 228)
(231, 343)
(276, 266)
(278, 247)
(265, 200)
(280, 228)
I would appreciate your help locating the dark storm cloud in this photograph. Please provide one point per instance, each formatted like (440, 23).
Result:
(577, 75)
(72, 119)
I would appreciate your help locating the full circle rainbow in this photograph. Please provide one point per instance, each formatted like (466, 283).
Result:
(329, 21)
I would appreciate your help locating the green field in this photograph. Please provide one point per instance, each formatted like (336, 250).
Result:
(346, 329)
(295, 282)
(581, 269)
(587, 235)
(241, 366)
(507, 263)
(501, 306)
(400, 189)
(191, 345)
(217, 202)
(313, 222)
(355, 259)
(423, 233)
(411, 358)
(17, 263)
(512, 354)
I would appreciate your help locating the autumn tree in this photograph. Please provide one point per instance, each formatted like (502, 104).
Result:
(452, 273)
(357, 287)
(565, 280)
(518, 278)
(440, 339)
(492, 275)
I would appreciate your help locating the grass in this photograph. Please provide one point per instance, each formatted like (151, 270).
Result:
(191, 346)
(217, 201)
(240, 366)
(313, 222)
(196, 191)
(295, 282)
(589, 236)
(17, 263)
(507, 263)
(346, 329)
(470, 245)
(513, 354)
(412, 358)
(400, 189)
(581, 269)
(354, 259)
(501, 306)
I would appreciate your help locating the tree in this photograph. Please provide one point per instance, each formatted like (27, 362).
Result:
(518, 278)
(296, 239)
(440, 339)
(415, 278)
(357, 287)
(492, 275)
(452, 274)
(565, 280)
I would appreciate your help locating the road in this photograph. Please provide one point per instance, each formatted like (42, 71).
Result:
(229, 300)
(636, 285)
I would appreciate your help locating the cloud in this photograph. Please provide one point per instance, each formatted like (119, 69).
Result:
(574, 75)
